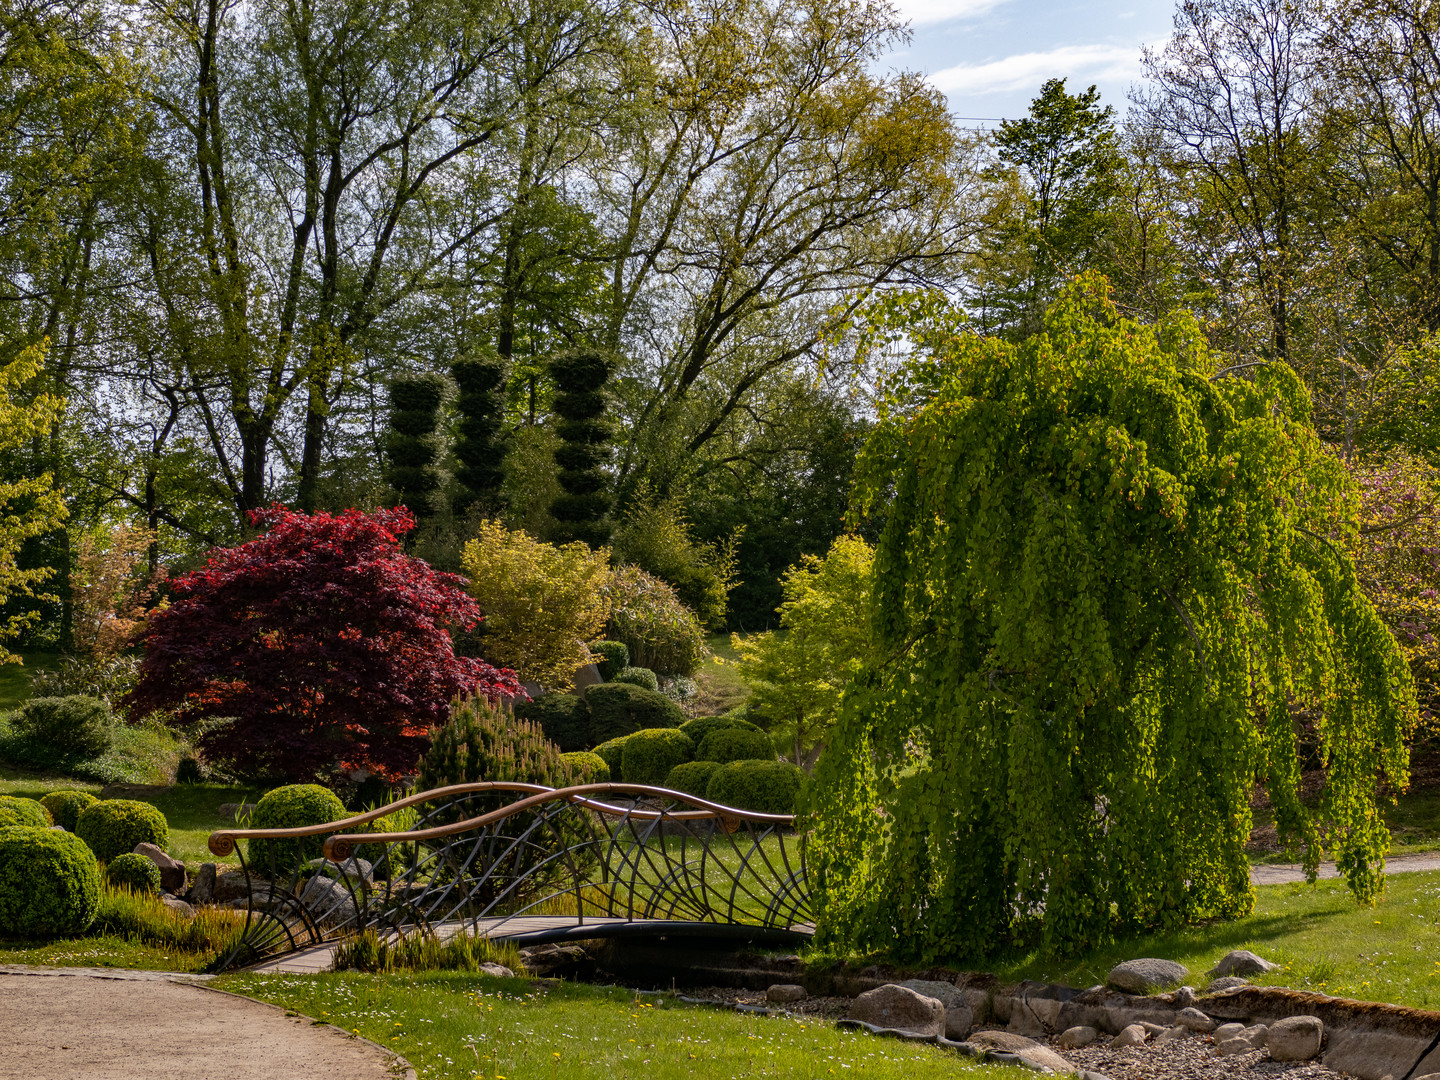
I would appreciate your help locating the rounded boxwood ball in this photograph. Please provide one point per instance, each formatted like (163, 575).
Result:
(651, 754)
(619, 708)
(67, 806)
(49, 883)
(767, 787)
(701, 726)
(691, 777)
(734, 744)
(17, 811)
(588, 767)
(613, 754)
(133, 872)
(638, 676)
(115, 826)
(292, 807)
(614, 656)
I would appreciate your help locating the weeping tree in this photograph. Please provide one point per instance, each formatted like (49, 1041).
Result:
(586, 434)
(414, 446)
(480, 448)
(1111, 592)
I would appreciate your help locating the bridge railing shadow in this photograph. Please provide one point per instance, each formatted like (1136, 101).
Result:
(526, 862)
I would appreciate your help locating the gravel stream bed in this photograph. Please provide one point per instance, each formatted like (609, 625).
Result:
(1192, 1059)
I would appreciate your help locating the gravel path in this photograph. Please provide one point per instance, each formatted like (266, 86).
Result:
(1282, 873)
(89, 1024)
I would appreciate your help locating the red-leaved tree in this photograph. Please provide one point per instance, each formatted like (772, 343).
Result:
(324, 642)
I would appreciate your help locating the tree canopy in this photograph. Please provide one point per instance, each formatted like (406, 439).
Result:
(1113, 577)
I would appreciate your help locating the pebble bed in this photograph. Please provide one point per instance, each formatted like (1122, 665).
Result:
(1192, 1059)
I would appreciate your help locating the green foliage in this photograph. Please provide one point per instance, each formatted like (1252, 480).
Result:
(564, 718)
(656, 536)
(480, 448)
(651, 754)
(612, 752)
(379, 954)
(49, 883)
(797, 677)
(190, 771)
(580, 403)
(26, 812)
(65, 807)
(613, 657)
(291, 807)
(143, 916)
(646, 614)
(767, 787)
(414, 447)
(483, 742)
(637, 676)
(691, 777)
(115, 826)
(735, 744)
(133, 872)
(702, 726)
(1107, 578)
(620, 708)
(587, 767)
(77, 725)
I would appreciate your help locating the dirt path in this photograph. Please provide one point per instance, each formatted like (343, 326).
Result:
(95, 1024)
(1286, 872)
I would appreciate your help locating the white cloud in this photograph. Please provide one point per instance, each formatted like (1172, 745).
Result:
(1026, 71)
(924, 12)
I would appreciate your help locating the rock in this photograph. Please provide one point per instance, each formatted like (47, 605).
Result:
(1042, 1057)
(948, 994)
(544, 960)
(1241, 962)
(180, 907)
(785, 993)
(1153, 1029)
(959, 1019)
(959, 1011)
(1227, 1031)
(1147, 976)
(1172, 1034)
(1239, 1042)
(1076, 1037)
(1231, 1047)
(1024, 1021)
(231, 885)
(1229, 982)
(1185, 997)
(202, 889)
(1134, 1035)
(898, 1007)
(979, 1002)
(1002, 1040)
(589, 675)
(1295, 1038)
(496, 971)
(358, 870)
(172, 873)
(231, 811)
(1194, 1020)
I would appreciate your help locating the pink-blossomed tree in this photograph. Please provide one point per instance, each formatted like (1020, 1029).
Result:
(319, 645)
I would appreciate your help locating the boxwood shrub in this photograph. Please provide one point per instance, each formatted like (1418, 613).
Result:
(638, 676)
(734, 744)
(17, 811)
(115, 826)
(49, 883)
(613, 754)
(66, 806)
(291, 807)
(691, 777)
(564, 718)
(588, 766)
(767, 787)
(619, 708)
(650, 755)
(76, 725)
(133, 872)
(701, 726)
(614, 657)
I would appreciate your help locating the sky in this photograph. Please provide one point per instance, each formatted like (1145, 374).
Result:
(990, 56)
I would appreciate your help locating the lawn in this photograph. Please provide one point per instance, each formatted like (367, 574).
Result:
(718, 678)
(15, 678)
(451, 1025)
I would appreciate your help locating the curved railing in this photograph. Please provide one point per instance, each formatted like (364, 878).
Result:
(593, 860)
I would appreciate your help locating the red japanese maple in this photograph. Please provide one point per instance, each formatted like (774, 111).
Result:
(324, 641)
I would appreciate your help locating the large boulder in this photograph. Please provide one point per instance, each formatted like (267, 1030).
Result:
(1028, 1051)
(785, 993)
(1194, 1020)
(959, 1016)
(1147, 976)
(1295, 1038)
(1076, 1037)
(899, 1008)
(202, 889)
(1241, 962)
(1133, 1035)
(172, 872)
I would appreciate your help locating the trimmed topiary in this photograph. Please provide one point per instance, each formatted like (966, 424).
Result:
(564, 718)
(735, 744)
(650, 755)
(587, 767)
(66, 806)
(292, 807)
(17, 811)
(701, 726)
(767, 787)
(614, 657)
(115, 826)
(49, 883)
(691, 777)
(618, 709)
(414, 448)
(638, 676)
(481, 446)
(133, 872)
(613, 754)
(76, 725)
(190, 771)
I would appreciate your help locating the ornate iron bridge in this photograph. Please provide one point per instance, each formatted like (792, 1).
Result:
(528, 863)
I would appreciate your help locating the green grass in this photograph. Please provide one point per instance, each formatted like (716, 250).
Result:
(718, 679)
(15, 678)
(461, 1026)
(108, 951)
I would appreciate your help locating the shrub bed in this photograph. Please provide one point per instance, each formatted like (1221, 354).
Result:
(67, 806)
(767, 787)
(49, 883)
(133, 872)
(702, 726)
(291, 807)
(614, 656)
(115, 826)
(76, 725)
(649, 755)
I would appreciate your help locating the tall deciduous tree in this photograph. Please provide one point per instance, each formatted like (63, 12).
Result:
(1110, 573)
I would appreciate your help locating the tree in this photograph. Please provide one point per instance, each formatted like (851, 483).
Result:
(581, 403)
(320, 645)
(480, 448)
(1111, 573)
(797, 677)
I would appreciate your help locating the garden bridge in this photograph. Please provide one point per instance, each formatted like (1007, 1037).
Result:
(525, 863)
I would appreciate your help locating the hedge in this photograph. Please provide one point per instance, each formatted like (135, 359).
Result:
(66, 806)
(292, 807)
(649, 755)
(701, 726)
(613, 753)
(564, 718)
(734, 744)
(767, 787)
(638, 676)
(49, 883)
(614, 656)
(618, 709)
(115, 826)
(691, 777)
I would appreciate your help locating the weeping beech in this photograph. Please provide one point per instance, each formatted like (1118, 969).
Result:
(1111, 588)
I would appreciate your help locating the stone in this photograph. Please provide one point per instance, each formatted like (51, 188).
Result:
(496, 971)
(1076, 1037)
(180, 907)
(589, 675)
(1002, 1040)
(1134, 1035)
(1241, 962)
(1295, 1038)
(358, 870)
(959, 1020)
(1231, 1047)
(544, 960)
(1185, 997)
(948, 994)
(202, 889)
(1024, 1021)
(785, 993)
(231, 885)
(900, 1008)
(1229, 982)
(1172, 1034)
(1227, 1031)
(979, 1002)
(1194, 1020)
(172, 873)
(1147, 976)
(1239, 1042)
(1153, 1029)
(1042, 1058)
